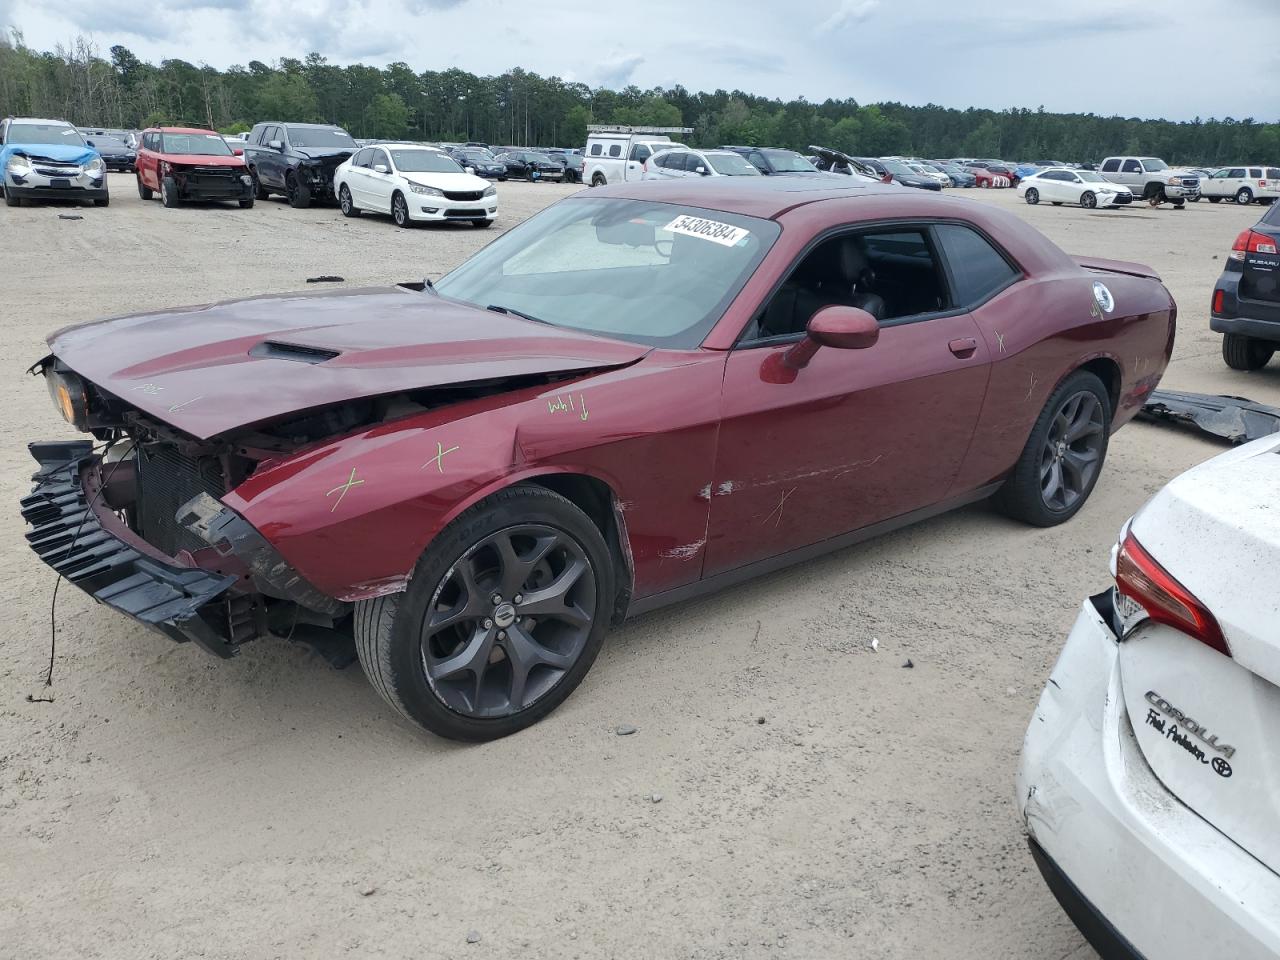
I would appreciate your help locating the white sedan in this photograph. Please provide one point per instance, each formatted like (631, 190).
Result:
(683, 162)
(1150, 775)
(1059, 185)
(413, 183)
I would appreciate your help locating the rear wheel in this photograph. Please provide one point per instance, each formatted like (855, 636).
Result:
(259, 191)
(1244, 196)
(247, 204)
(1032, 196)
(144, 192)
(400, 210)
(1246, 353)
(168, 192)
(598, 180)
(1063, 456)
(296, 192)
(503, 617)
(1088, 199)
(349, 209)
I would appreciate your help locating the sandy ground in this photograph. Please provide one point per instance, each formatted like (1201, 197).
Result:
(169, 805)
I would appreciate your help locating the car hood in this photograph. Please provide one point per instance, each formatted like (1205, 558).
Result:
(336, 154)
(63, 152)
(210, 369)
(447, 181)
(200, 160)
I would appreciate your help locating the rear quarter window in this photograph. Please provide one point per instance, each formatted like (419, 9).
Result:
(615, 150)
(595, 149)
(978, 270)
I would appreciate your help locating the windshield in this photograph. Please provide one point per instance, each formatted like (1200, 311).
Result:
(484, 156)
(44, 133)
(1089, 176)
(731, 165)
(321, 137)
(1152, 165)
(657, 273)
(109, 143)
(897, 169)
(195, 144)
(788, 161)
(424, 161)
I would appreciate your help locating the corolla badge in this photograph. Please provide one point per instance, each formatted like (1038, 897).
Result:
(1105, 300)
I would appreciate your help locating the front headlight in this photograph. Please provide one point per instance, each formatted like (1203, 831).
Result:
(490, 192)
(95, 166)
(1174, 181)
(426, 191)
(69, 396)
(18, 165)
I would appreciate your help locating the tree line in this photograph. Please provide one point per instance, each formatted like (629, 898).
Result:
(83, 86)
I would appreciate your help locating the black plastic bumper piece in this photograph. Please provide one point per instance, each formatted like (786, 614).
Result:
(67, 535)
(1102, 935)
(1232, 418)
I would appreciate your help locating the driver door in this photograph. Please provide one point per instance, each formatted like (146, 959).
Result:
(857, 436)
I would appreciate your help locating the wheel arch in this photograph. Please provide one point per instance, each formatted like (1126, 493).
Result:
(1106, 369)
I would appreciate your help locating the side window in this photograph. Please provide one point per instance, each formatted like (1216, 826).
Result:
(1221, 175)
(640, 152)
(615, 149)
(595, 149)
(1131, 166)
(977, 269)
(380, 157)
(361, 159)
(1273, 173)
(1255, 172)
(1272, 216)
(1111, 166)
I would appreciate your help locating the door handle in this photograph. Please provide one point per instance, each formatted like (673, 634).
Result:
(963, 347)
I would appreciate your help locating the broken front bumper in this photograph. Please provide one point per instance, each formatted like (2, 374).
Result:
(81, 538)
(1139, 872)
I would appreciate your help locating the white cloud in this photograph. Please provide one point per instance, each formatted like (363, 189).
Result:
(849, 12)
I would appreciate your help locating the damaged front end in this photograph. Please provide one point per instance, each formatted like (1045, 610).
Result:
(211, 182)
(317, 175)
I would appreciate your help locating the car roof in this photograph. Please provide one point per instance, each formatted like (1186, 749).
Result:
(39, 120)
(180, 130)
(765, 197)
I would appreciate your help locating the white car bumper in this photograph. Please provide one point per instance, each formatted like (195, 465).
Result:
(422, 207)
(1141, 874)
(1115, 199)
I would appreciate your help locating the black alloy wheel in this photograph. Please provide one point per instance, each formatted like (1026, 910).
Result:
(1072, 452)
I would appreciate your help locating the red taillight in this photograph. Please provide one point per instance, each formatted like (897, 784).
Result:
(1150, 585)
(1218, 297)
(1250, 241)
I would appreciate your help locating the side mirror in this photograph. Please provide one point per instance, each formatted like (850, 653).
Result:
(470, 170)
(275, 144)
(380, 168)
(843, 328)
(238, 151)
(702, 171)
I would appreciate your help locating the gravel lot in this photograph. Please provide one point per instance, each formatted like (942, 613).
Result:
(169, 805)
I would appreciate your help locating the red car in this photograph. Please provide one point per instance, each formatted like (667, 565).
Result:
(187, 163)
(642, 393)
(992, 176)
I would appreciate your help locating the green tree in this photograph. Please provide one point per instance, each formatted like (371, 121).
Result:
(386, 117)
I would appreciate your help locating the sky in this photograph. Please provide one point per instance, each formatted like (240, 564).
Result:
(1146, 58)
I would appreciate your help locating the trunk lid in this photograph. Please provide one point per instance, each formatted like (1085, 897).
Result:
(209, 369)
(1261, 271)
(1206, 722)
(1116, 266)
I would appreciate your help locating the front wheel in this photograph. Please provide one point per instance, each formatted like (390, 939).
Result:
(503, 617)
(349, 209)
(1032, 196)
(169, 192)
(296, 192)
(1246, 353)
(1244, 196)
(1063, 456)
(247, 204)
(400, 210)
(1088, 199)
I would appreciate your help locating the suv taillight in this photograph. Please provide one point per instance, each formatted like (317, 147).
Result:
(1165, 600)
(1251, 241)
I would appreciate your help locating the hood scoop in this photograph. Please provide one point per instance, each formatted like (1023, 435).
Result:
(274, 350)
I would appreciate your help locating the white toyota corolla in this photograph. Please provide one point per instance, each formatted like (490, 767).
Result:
(1150, 774)
(413, 183)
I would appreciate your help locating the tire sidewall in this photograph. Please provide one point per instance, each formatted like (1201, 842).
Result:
(511, 508)
(1032, 196)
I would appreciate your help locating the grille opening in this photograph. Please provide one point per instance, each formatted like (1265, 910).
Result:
(167, 479)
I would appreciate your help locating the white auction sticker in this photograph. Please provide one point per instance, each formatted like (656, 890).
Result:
(723, 233)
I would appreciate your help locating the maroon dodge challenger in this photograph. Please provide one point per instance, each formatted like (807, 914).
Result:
(642, 393)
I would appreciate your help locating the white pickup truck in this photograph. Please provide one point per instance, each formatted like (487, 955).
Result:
(615, 154)
(1152, 179)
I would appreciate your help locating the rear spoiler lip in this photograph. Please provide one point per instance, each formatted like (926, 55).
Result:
(1117, 266)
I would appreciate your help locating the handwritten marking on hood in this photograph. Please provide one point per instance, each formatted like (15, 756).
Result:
(438, 459)
(342, 488)
(150, 389)
(559, 405)
(184, 404)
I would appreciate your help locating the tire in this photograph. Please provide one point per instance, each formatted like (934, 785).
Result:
(1179, 204)
(1089, 200)
(476, 705)
(1244, 196)
(345, 204)
(1215, 199)
(482, 224)
(1056, 203)
(144, 192)
(1023, 495)
(1195, 199)
(103, 201)
(11, 199)
(400, 210)
(259, 191)
(169, 192)
(247, 204)
(598, 180)
(1246, 353)
(1032, 196)
(297, 192)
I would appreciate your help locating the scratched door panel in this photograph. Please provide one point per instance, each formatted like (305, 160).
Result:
(858, 436)
(1206, 725)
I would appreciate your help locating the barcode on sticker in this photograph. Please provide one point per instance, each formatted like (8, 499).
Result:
(723, 233)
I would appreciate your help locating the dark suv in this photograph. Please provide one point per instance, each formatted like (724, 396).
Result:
(1246, 298)
(296, 159)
